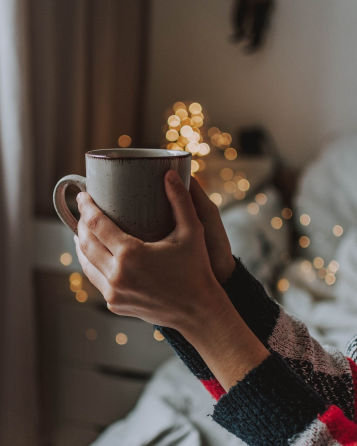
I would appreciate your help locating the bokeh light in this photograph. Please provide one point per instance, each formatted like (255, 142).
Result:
(318, 262)
(121, 339)
(261, 199)
(230, 154)
(337, 230)
(66, 258)
(253, 208)
(276, 223)
(305, 219)
(124, 141)
(283, 285)
(91, 334)
(158, 336)
(286, 213)
(216, 198)
(304, 241)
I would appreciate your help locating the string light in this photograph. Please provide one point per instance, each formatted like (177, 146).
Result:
(178, 105)
(318, 262)
(181, 113)
(121, 339)
(216, 198)
(204, 149)
(286, 213)
(213, 131)
(81, 296)
(333, 266)
(304, 241)
(91, 334)
(305, 219)
(261, 199)
(172, 135)
(239, 195)
(276, 223)
(283, 285)
(195, 167)
(306, 266)
(230, 187)
(124, 141)
(337, 230)
(158, 336)
(195, 108)
(226, 173)
(66, 259)
(330, 279)
(197, 121)
(243, 185)
(230, 154)
(174, 121)
(253, 208)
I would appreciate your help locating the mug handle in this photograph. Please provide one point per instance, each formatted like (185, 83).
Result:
(59, 199)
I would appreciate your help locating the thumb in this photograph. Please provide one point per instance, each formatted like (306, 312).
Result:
(180, 200)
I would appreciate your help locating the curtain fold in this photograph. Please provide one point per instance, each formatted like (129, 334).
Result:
(18, 386)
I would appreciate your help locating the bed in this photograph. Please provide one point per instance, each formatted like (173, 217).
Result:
(174, 408)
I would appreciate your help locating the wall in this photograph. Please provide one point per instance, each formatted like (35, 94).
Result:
(302, 86)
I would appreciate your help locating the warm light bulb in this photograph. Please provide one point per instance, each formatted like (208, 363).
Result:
(181, 113)
(283, 285)
(226, 173)
(158, 336)
(243, 184)
(261, 199)
(276, 222)
(304, 241)
(174, 121)
(172, 135)
(318, 262)
(230, 154)
(305, 219)
(253, 208)
(216, 198)
(230, 187)
(286, 213)
(124, 141)
(121, 339)
(66, 258)
(81, 296)
(195, 108)
(337, 230)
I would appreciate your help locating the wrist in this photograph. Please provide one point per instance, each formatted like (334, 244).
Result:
(227, 345)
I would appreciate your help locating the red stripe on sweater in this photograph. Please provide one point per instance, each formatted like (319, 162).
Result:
(353, 367)
(214, 387)
(341, 428)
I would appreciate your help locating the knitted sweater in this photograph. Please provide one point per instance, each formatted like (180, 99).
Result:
(302, 394)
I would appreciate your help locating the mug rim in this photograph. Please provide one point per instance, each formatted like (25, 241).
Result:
(96, 153)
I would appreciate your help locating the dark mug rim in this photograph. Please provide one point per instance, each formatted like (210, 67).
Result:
(117, 153)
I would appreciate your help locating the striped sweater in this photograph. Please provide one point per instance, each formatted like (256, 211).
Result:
(302, 394)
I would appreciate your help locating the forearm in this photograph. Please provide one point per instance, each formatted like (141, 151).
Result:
(225, 342)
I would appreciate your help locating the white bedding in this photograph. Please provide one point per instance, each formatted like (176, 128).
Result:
(174, 409)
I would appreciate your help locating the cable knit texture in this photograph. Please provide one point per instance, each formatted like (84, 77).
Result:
(300, 395)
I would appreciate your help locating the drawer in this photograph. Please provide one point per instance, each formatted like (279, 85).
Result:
(88, 336)
(86, 396)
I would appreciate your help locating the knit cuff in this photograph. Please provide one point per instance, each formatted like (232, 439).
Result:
(269, 406)
(250, 299)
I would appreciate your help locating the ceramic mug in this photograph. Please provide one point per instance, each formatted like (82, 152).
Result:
(128, 186)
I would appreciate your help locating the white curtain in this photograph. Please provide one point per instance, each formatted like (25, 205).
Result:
(18, 393)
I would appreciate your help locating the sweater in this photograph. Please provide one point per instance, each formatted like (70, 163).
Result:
(302, 394)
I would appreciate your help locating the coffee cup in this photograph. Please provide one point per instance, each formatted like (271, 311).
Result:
(128, 186)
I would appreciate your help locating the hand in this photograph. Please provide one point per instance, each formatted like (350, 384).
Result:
(218, 246)
(169, 282)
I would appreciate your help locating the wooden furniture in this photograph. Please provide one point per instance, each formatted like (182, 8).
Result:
(87, 379)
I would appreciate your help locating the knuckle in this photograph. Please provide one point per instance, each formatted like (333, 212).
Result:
(94, 220)
(84, 244)
(131, 251)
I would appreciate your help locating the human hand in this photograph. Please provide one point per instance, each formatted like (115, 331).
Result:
(169, 282)
(218, 246)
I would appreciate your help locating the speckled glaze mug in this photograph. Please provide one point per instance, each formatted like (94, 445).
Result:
(128, 186)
